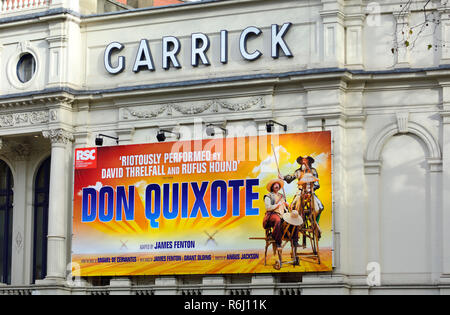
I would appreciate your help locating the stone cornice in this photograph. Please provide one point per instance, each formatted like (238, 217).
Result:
(30, 99)
(68, 95)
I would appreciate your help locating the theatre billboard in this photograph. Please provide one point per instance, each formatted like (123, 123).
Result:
(197, 207)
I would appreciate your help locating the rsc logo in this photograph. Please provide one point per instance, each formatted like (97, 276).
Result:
(86, 158)
(86, 155)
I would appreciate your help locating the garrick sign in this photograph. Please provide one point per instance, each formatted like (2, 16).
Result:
(200, 44)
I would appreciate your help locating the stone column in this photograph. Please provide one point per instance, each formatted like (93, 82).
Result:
(58, 211)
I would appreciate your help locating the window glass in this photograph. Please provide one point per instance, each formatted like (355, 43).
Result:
(26, 68)
(6, 208)
(41, 198)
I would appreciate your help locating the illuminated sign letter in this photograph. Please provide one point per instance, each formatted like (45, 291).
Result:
(278, 41)
(107, 58)
(144, 57)
(170, 55)
(224, 47)
(198, 51)
(243, 43)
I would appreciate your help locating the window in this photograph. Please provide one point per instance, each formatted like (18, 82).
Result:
(6, 207)
(26, 67)
(41, 199)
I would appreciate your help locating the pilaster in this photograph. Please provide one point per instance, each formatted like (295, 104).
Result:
(445, 115)
(166, 285)
(354, 23)
(333, 32)
(355, 206)
(214, 285)
(401, 31)
(263, 285)
(446, 193)
(57, 44)
(120, 286)
(125, 135)
(18, 265)
(444, 12)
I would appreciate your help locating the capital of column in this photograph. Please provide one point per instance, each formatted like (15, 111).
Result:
(58, 136)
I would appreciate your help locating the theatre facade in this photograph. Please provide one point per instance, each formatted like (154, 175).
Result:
(355, 85)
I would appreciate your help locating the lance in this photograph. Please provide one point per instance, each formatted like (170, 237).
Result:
(278, 168)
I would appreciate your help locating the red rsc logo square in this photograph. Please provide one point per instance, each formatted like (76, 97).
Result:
(86, 158)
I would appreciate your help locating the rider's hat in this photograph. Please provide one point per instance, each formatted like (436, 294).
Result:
(293, 218)
(273, 181)
(310, 160)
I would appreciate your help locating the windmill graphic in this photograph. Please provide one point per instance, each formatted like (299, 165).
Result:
(211, 238)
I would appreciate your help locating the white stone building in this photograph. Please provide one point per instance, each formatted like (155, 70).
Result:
(349, 66)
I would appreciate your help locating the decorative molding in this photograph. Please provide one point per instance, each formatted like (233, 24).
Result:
(255, 102)
(402, 122)
(128, 113)
(19, 241)
(192, 109)
(44, 100)
(372, 167)
(377, 143)
(27, 118)
(435, 165)
(57, 39)
(23, 46)
(58, 136)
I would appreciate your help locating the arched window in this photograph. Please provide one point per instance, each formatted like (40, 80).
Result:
(6, 207)
(41, 193)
